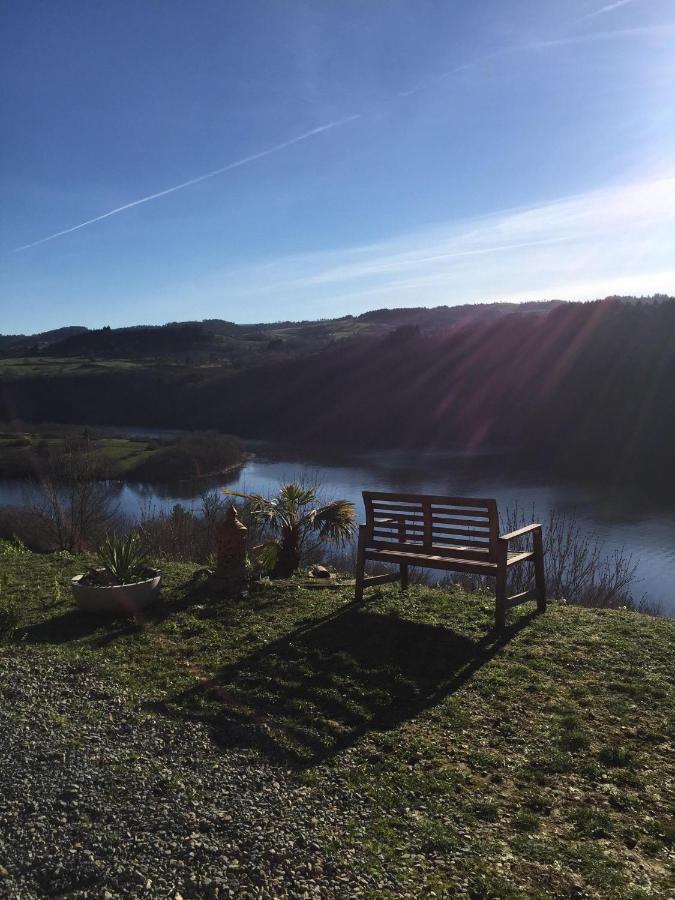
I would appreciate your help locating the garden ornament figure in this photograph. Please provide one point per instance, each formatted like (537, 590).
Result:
(229, 579)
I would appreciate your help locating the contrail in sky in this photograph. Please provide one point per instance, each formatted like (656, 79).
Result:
(536, 45)
(179, 187)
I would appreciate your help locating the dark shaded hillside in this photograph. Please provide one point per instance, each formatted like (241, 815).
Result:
(132, 342)
(27, 343)
(441, 317)
(587, 386)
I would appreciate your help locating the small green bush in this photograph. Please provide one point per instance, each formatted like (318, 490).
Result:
(593, 823)
(616, 757)
(526, 821)
(13, 548)
(486, 810)
(573, 741)
(9, 619)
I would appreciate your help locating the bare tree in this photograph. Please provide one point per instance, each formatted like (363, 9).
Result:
(73, 501)
(182, 533)
(578, 568)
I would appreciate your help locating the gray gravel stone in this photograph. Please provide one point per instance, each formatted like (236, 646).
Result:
(99, 799)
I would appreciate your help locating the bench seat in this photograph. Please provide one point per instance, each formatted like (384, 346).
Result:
(427, 561)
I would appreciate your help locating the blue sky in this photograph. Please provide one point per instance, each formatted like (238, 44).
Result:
(365, 155)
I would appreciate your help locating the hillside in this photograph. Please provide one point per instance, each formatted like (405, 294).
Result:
(292, 743)
(588, 389)
(21, 344)
(216, 341)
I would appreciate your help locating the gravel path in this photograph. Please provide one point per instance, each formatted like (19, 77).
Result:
(99, 800)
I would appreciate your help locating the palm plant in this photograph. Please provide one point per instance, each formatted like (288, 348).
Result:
(291, 516)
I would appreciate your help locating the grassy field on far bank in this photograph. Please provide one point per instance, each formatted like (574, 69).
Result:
(20, 366)
(534, 764)
(119, 457)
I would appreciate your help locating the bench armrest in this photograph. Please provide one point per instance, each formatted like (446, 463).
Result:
(519, 532)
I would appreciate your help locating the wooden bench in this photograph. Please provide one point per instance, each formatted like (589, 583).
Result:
(457, 534)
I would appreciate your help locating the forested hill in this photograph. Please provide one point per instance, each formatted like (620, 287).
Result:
(589, 386)
(11, 344)
(217, 341)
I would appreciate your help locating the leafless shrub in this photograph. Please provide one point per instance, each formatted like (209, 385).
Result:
(579, 569)
(73, 503)
(24, 524)
(187, 534)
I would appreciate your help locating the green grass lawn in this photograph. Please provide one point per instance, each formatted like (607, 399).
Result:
(534, 764)
(21, 455)
(26, 455)
(17, 366)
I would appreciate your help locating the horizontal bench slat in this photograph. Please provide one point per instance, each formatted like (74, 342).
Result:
(522, 597)
(371, 580)
(426, 561)
(518, 556)
(467, 527)
(460, 542)
(468, 519)
(461, 530)
(433, 499)
(419, 536)
(436, 551)
(437, 560)
(477, 520)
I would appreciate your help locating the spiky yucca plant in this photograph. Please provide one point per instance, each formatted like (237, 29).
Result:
(124, 557)
(291, 516)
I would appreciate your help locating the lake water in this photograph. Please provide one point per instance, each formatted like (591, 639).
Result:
(644, 526)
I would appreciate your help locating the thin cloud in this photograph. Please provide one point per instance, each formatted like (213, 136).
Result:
(179, 187)
(608, 8)
(609, 240)
(662, 30)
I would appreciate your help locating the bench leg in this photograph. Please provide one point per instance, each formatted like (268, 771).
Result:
(500, 592)
(360, 567)
(539, 571)
(404, 576)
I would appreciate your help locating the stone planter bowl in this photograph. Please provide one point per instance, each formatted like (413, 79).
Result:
(125, 599)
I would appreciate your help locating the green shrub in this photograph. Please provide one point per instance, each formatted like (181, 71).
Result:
(486, 810)
(574, 740)
(12, 548)
(9, 619)
(616, 757)
(526, 821)
(10, 551)
(593, 823)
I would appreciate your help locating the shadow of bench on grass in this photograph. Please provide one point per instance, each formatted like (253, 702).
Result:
(315, 692)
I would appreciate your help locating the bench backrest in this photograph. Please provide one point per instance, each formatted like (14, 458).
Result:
(463, 527)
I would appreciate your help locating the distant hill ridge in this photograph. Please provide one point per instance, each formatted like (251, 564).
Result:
(10, 342)
(214, 335)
